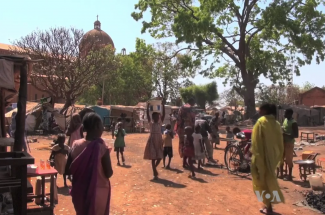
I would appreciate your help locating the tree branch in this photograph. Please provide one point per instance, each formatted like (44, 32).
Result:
(226, 51)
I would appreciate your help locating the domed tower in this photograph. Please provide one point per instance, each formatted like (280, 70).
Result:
(96, 38)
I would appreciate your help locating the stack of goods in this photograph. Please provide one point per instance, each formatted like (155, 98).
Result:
(316, 200)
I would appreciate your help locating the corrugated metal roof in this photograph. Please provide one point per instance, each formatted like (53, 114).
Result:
(318, 106)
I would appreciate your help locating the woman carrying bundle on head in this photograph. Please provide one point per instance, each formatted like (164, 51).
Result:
(154, 147)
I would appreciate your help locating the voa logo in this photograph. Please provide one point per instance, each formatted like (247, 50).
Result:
(267, 196)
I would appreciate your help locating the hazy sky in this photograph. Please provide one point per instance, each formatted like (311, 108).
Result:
(21, 17)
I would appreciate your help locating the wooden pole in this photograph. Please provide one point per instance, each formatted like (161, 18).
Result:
(21, 107)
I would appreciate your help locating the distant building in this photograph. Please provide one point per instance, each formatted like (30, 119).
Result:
(314, 96)
(96, 37)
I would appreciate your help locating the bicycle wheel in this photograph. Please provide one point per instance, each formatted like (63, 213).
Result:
(233, 158)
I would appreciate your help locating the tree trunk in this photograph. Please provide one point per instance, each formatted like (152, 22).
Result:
(249, 99)
(67, 104)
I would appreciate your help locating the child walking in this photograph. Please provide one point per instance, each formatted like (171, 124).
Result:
(188, 150)
(154, 147)
(198, 146)
(119, 143)
(59, 156)
(168, 141)
(113, 124)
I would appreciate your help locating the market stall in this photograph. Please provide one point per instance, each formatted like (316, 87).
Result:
(14, 165)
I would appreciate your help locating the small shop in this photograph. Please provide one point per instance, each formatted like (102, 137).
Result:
(17, 166)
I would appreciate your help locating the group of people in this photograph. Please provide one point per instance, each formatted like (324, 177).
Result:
(196, 138)
(86, 161)
(88, 157)
(272, 146)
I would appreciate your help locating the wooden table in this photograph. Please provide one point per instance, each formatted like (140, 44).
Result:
(16, 178)
(44, 173)
(5, 142)
(307, 133)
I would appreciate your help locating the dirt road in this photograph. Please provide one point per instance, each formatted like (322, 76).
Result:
(214, 192)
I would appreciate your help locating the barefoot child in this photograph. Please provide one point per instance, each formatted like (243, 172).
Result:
(198, 146)
(119, 143)
(189, 149)
(113, 124)
(154, 147)
(59, 156)
(167, 141)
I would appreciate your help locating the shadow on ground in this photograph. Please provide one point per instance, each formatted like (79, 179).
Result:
(206, 172)
(168, 183)
(177, 171)
(64, 191)
(301, 183)
(199, 180)
(125, 166)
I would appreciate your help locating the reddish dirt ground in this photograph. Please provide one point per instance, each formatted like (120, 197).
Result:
(214, 192)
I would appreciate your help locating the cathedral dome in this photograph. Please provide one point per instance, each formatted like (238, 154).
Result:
(95, 38)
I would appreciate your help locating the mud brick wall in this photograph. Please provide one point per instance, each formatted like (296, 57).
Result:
(313, 97)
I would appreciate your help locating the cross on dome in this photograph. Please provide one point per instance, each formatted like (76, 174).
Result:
(97, 24)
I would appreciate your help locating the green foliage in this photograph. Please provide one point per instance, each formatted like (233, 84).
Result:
(168, 68)
(150, 70)
(129, 84)
(203, 94)
(307, 86)
(187, 82)
(231, 98)
(250, 38)
(276, 94)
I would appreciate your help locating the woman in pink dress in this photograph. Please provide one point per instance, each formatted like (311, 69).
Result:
(75, 131)
(91, 169)
(154, 147)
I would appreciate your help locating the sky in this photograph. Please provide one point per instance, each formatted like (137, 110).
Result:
(20, 17)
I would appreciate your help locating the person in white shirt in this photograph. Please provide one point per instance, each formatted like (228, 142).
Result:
(198, 146)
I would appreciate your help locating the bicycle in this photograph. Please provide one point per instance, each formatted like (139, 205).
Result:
(237, 157)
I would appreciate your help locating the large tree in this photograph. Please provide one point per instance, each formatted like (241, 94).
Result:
(63, 72)
(230, 97)
(250, 37)
(130, 83)
(203, 94)
(168, 69)
(307, 86)
(279, 95)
